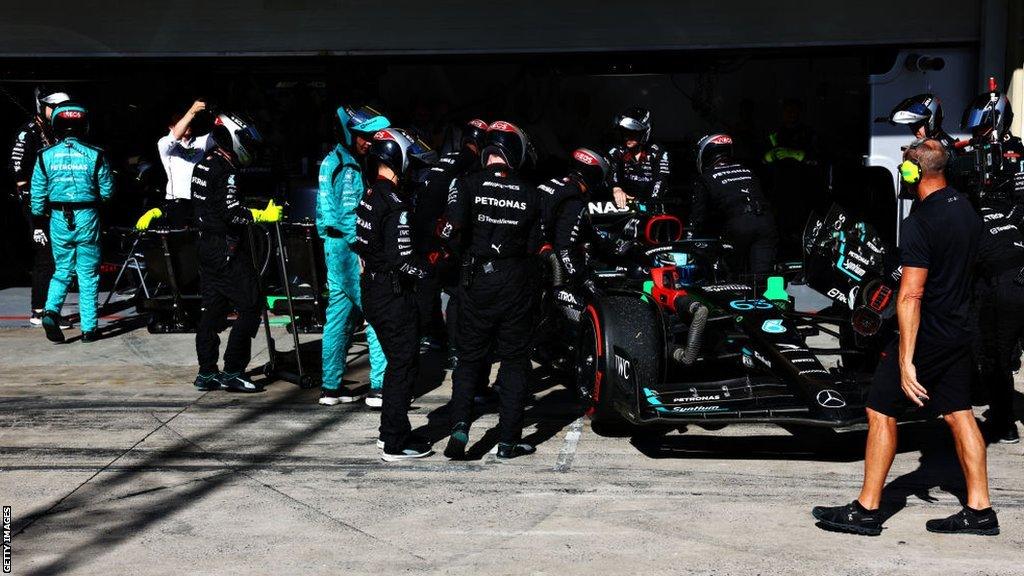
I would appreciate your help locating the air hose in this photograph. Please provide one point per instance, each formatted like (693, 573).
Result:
(695, 337)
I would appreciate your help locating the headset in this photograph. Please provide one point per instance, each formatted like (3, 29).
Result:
(910, 171)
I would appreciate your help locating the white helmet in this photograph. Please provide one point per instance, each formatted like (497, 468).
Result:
(234, 132)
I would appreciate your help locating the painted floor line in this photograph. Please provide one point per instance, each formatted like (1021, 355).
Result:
(568, 451)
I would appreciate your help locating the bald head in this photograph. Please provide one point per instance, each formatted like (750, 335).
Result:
(931, 155)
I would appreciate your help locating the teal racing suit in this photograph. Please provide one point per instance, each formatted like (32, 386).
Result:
(341, 188)
(69, 181)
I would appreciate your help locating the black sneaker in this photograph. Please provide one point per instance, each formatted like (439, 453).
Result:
(456, 448)
(415, 447)
(51, 324)
(508, 451)
(207, 382)
(235, 382)
(1010, 435)
(36, 319)
(91, 336)
(852, 518)
(967, 521)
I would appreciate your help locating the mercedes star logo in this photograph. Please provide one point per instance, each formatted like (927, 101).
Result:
(831, 399)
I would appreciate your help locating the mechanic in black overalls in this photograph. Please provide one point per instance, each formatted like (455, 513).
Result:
(639, 168)
(568, 228)
(32, 137)
(999, 287)
(493, 221)
(431, 200)
(733, 192)
(391, 269)
(227, 275)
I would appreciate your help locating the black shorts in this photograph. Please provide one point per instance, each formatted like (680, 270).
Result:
(944, 371)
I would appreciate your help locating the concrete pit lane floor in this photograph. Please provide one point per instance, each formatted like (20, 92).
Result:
(113, 464)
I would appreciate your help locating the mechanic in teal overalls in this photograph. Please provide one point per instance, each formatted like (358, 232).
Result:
(341, 189)
(69, 181)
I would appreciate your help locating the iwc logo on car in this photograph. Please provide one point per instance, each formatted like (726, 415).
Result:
(831, 399)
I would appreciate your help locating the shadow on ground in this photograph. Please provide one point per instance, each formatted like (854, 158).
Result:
(74, 508)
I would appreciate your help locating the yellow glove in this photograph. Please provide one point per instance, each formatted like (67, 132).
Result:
(272, 213)
(147, 218)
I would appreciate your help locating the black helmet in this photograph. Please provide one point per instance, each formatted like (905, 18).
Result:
(49, 96)
(921, 110)
(69, 119)
(473, 133)
(713, 148)
(397, 149)
(235, 133)
(590, 167)
(635, 120)
(508, 141)
(988, 116)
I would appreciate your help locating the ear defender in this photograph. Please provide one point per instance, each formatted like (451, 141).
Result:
(910, 171)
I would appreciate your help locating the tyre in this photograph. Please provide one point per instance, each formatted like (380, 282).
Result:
(621, 347)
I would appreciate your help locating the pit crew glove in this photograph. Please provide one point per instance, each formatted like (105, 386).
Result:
(39, 237)
(272, 213)
(146, 219)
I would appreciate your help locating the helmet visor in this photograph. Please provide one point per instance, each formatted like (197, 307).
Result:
(627, 124)
(367, 120)
(978, 117)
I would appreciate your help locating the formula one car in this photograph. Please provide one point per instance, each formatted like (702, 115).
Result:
(670, 337)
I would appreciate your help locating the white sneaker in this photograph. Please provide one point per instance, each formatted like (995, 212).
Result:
(341, 396)
(375, 400)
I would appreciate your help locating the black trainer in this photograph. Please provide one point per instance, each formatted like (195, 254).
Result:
(51, 324)
(456, 448)
(415, 447)
(236, 382)
(207, 382)
(508, 451)
(91, 336)
(967, 521)
(1010, 435)
(852, 518)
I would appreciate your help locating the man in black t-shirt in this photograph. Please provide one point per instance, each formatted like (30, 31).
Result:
(930, 364)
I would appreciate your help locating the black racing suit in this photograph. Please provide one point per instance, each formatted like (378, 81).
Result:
(642, 174)
(33, 137)
(227, 276)
(493, 221)
(733, 192)
(384, 241)
(999, 294)
(428, 215)
(567, 226)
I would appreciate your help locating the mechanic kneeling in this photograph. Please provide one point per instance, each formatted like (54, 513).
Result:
(930, 364)
(730, 189)
(497, 215)
(390, 272)
(227, 274)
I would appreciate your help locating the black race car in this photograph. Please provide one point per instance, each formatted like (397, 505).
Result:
(670, 337)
